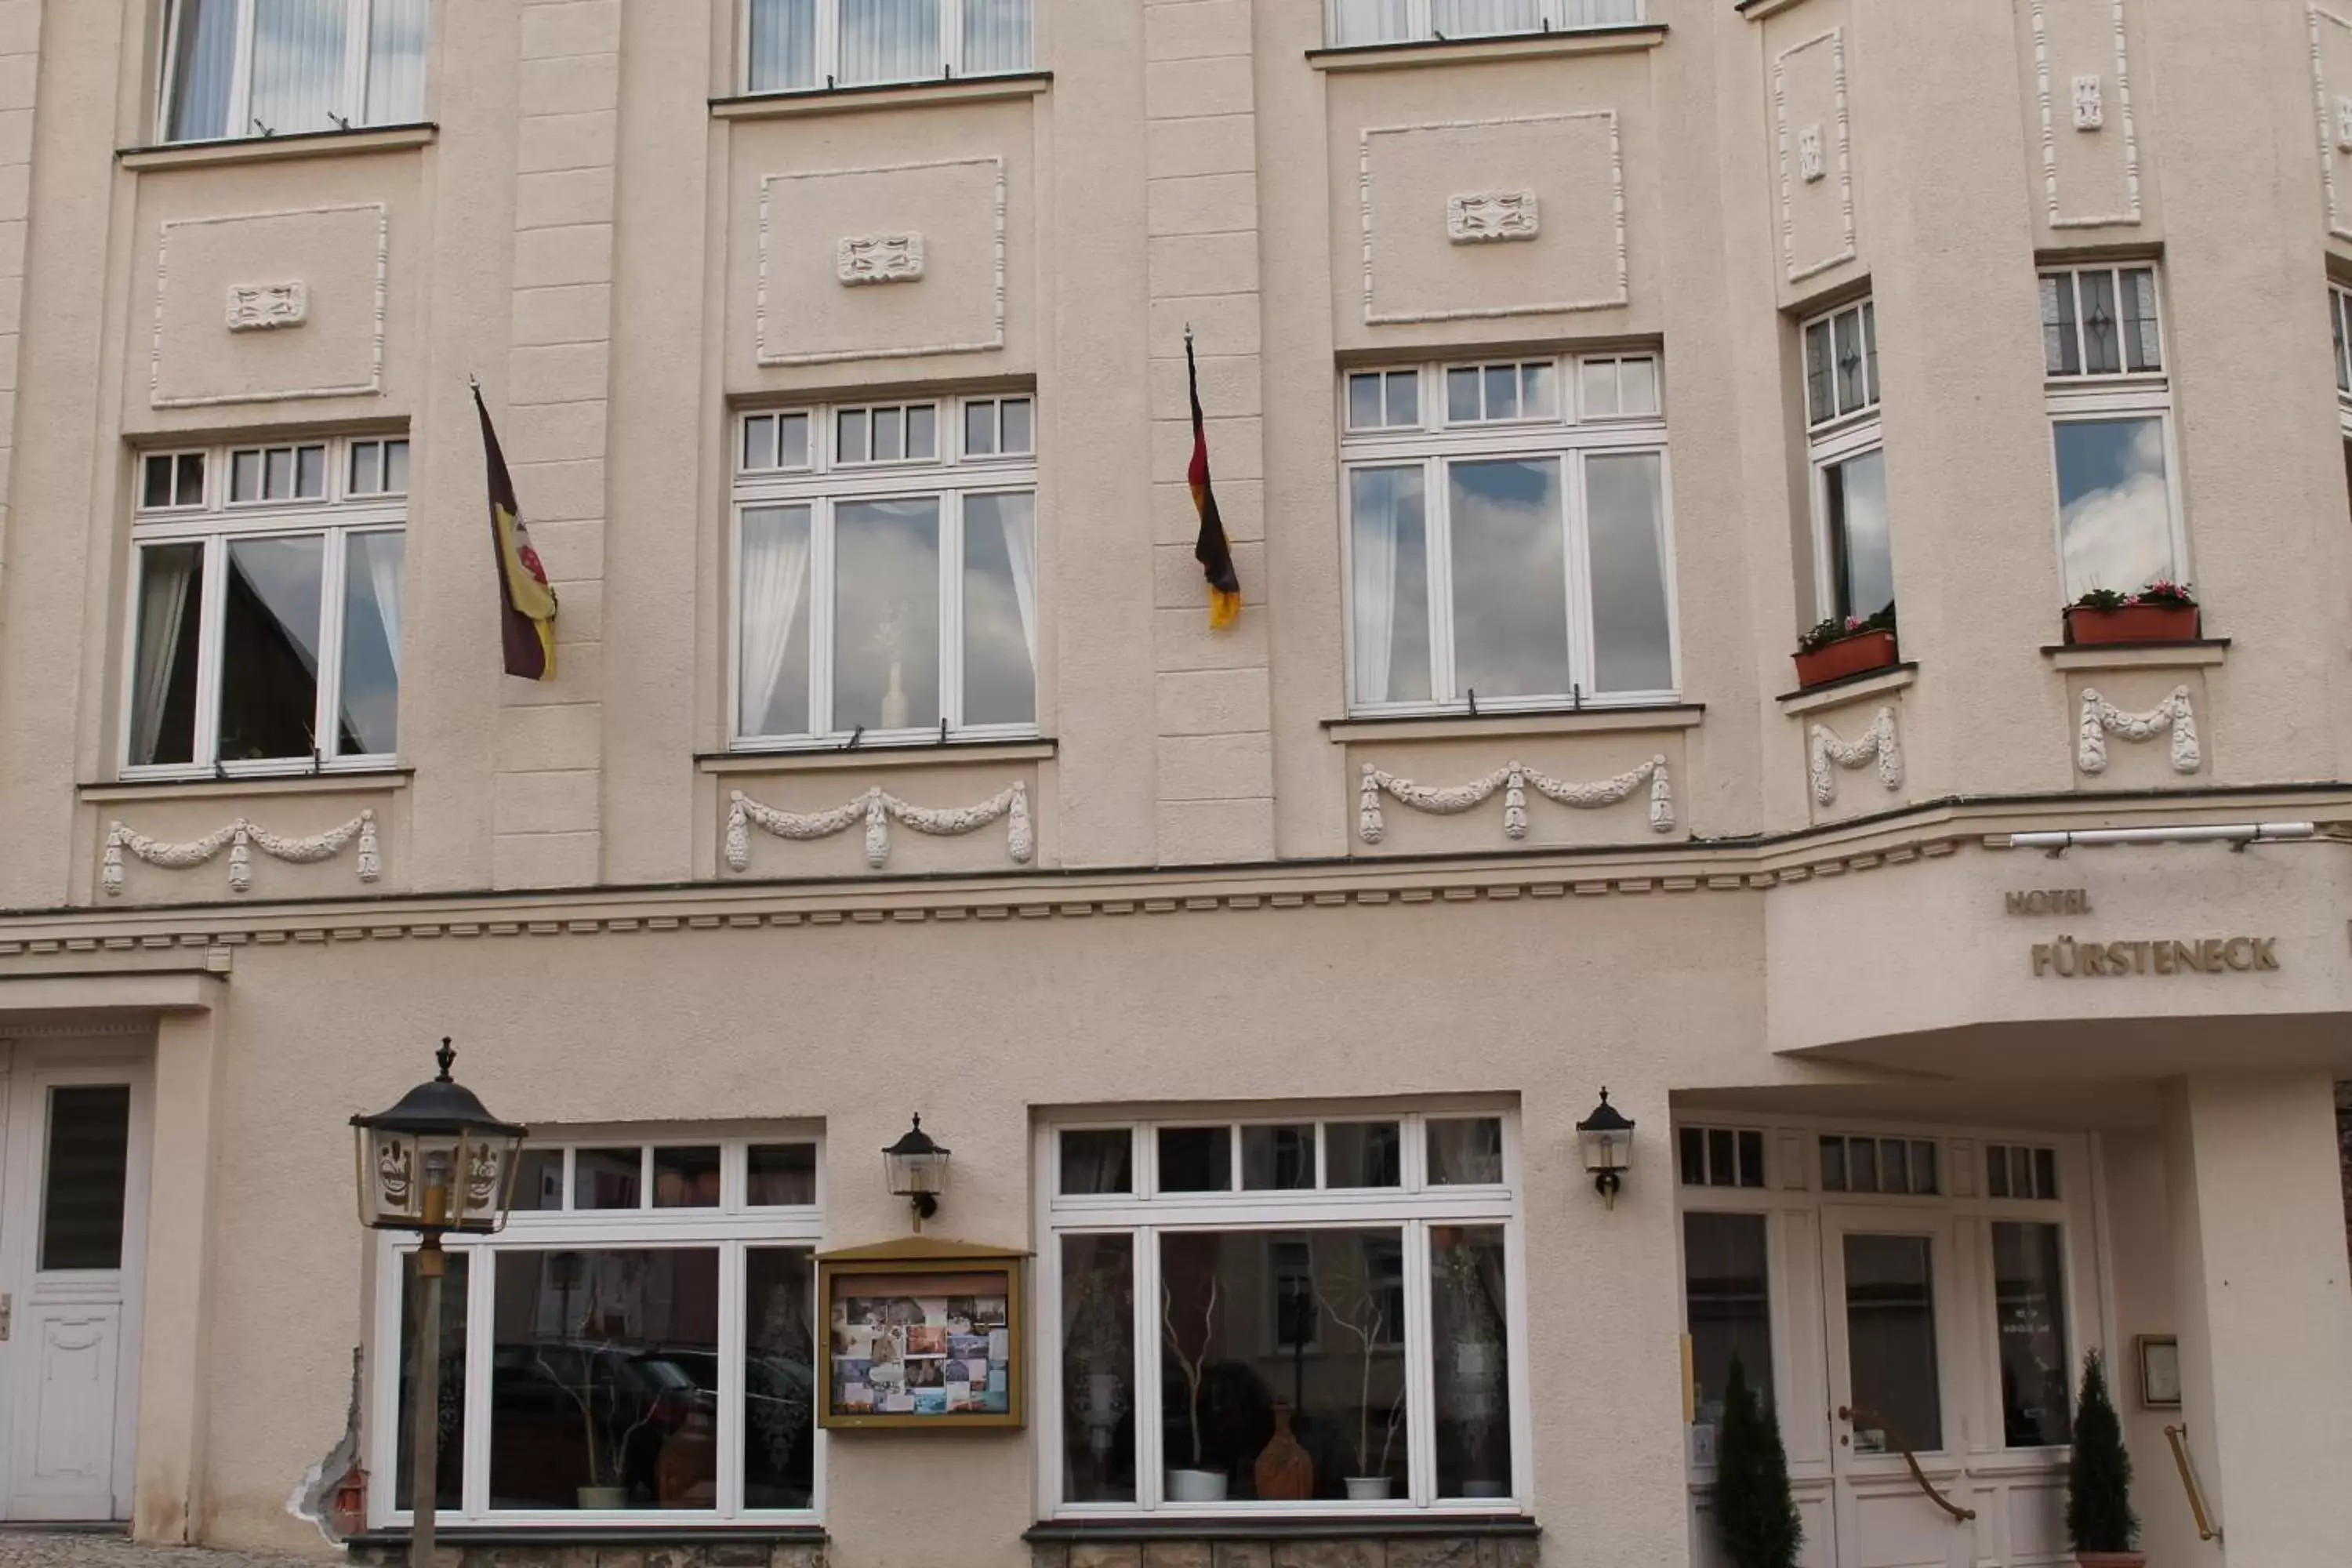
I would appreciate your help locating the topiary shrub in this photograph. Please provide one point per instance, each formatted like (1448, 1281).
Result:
(1753, 1514)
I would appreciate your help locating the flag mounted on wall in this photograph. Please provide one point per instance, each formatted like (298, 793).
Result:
(1211, 550)
(526, 602)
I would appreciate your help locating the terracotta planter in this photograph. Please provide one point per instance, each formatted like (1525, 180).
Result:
(2133, 623)
(1847, 656)
(2110, 1558)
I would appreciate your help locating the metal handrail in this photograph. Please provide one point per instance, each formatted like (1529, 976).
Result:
(2179, 1438)
(1851, 1414)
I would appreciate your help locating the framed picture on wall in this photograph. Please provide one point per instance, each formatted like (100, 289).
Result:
(921, 1333)
(2159, 1372)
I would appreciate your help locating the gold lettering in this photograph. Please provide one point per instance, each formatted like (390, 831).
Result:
(2062, 955)
(2266, 954)
(2189, 956)
(2037, 902)
(2095, 958)
(2119, 959)
(2238, 952)
(2040, 957)
(2014, 902)
(2163, 956)
(2211, 948)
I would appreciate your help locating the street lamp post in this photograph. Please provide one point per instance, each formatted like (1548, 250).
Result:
(435, 1162)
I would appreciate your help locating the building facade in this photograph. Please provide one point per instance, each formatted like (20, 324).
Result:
(1561, 362)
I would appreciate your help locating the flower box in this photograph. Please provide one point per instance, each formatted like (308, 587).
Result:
(2132, 622)
(1847, 656)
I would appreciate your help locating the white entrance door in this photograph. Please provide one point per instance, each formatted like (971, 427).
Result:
(72, 1239)
(1890, 1313)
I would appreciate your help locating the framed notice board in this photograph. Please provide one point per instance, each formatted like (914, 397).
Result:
(921, 1333)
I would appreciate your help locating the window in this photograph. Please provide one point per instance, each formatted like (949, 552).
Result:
(886, 571)
(1508, 541)
(1721, 1156)
(265, 607)
(2029, 1290)
(647, 1309)
(1399, 21)
(1727, 1308)
(1890, 1165)
(2111, 421)
(1327, 1310)
(2339, 320)
(283, 67)
(2016, 1171)
(795, 46)
(1852, 554)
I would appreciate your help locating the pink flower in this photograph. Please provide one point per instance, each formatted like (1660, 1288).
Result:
(1853, 623)
(2131, 599)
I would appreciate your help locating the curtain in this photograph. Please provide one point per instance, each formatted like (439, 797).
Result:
(1021, 549)
(168, 577)
(1371, 22)
(1600, 13)
(383, 553)
(889, 40)
(1373, 580)
(395, 71)
(204, 38)
(1467, 18)
(297, 66)
(774, 566)
(995, 36)
(783, 44)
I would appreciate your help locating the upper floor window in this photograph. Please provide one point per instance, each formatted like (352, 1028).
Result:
(886, 570)
(1508, 537)
(2119, 524)
(266, 606)
(798, 44)
(1399, 21)
(1853, 544)
(282, 68)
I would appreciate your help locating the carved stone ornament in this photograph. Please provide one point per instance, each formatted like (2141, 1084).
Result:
(2344, 122)
(2102, 718)
(1812, 166)
(879, 259)
(265, 307)
(240, 838)
(878, 809)
(1480, 217)
(1879, 743)
(1514, 779)
(2090, 109)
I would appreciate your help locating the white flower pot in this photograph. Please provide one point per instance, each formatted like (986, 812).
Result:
(604, 1497)
(1486, 1489)
(1367, 1489)
(1196, 1486)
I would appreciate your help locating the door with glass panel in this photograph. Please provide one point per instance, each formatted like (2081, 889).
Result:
(1892, 1325)
(72, 1225)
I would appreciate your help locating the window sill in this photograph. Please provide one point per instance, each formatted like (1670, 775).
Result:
(1757, 10)
(879, 95)
(1290, 1527)
(1552, 721)
(325, 783)
(272, 149)
(623, 1535)
(1508, 47)
(922, 754)
(2200, 652)
(1848, 689)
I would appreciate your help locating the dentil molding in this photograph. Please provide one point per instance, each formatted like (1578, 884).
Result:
(240, 838)
(1879, 743)
(877, 808)
(2101, 718)
(1514, 779)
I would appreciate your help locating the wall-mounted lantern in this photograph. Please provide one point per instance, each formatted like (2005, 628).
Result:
(917, 1168)
(1607, 1139)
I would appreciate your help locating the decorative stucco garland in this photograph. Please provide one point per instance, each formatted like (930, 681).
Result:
(240, 838)
(1879, 741)
(878, 809)
(2102, 718)
(1513, 779)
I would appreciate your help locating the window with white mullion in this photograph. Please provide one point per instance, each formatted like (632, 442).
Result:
(237, 68)
(800, 46)
(2339, 321)
(1365, 22)
(2114, 460)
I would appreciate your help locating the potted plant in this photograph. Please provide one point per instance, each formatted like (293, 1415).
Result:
(1754, 1513)
(2099, 1518)
(1355, 1303)
(2164, 611)
(1196, 1483)
(1835, 648)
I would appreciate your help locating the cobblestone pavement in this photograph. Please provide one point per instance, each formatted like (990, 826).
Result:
(30, 1548)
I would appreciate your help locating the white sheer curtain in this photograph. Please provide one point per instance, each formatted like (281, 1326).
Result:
(1466, 18)
(167, 577)
(1371, 22)
(1600, 13)
(995, 36)
(1372, 583)
(203, 59)
(383, 553)
(772, 571)
(297, 66)
(395, 71)
(783, 44)
(1387, 597)
(889, 40)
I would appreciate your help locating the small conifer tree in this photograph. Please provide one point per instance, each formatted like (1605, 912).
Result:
(2099, 1478)
(1753, 1511)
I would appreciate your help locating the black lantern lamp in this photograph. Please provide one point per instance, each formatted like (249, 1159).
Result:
(918, 1167)
(1607, 1138)
(435, 1162)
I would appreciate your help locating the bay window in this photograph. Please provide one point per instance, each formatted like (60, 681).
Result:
(265, 613)
(637, 1344)
(797, 46)
(283, 67)
(2339, 320)
(886, 570)
(2110, 404)
(1310, 1313)
(1507, 536)
(1400, 21)
(1854, 554)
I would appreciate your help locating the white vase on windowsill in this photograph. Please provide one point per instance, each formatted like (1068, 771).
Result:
(1367, 1489)
(604, 1497)
(1196, 1486)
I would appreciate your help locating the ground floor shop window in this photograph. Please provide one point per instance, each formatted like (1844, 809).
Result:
(1307, 1314)
(639, 1341)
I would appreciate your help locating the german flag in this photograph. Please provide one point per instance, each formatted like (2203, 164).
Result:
(526, 602)
(1210, 550)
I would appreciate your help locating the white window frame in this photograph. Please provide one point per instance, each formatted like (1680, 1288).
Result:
(358, 34)
(1570, 435)
(732, 1228)
(1840, 438)
(2087, 398)
(334, 516)
(1413, 1207)
(951, 476)
(1553, 17)
(828, 50)
(2339, 318)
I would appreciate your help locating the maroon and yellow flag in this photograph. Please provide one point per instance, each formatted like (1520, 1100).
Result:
(1210, 550)
(526, 602)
